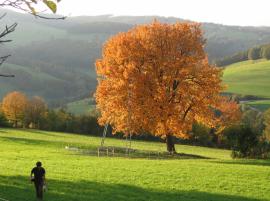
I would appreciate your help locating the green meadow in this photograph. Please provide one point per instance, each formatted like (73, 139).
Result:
(198, 174)
(261, 105)
(81, 107)
(248, 78)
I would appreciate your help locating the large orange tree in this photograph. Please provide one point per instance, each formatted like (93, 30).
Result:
(156, 78)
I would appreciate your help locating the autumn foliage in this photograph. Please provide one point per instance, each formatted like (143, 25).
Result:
(21, 111)
(35, 111)
(14, 106)
(156, 78)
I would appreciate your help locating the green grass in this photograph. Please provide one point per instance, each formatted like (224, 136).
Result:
(81, 107)
(75, 177)
(261, 105)
(248, 78)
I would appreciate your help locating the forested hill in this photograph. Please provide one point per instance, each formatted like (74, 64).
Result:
(55, 58)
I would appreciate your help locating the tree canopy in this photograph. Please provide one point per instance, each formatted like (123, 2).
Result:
(156, 78)
(14, 106)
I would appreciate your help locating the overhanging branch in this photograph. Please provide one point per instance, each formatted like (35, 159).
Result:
(26, 6)
(3, 59)
(2, 75)
(6, 31)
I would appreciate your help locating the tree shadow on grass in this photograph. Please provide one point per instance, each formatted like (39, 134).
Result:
(41, 132)
(2, 131)
(256, 162)
(43, 143)
(17, 188)
(28, 141)
(132, 153)
(35, 131)
(90, 150)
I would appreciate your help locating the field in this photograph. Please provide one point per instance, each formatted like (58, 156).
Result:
(204, 174)
(249, 78)
(81, 107)
(260, 105)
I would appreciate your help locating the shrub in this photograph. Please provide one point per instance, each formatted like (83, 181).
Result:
(245, 143)
(265, 52)
(3, 121)
(266, 122)
(254, 53)
(241, 56)
(242, 140)
(201, 135)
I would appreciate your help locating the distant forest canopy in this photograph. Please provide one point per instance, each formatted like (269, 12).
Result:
(255, 53)
(55, 59)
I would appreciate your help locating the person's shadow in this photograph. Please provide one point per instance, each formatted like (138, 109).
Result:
(18, 189)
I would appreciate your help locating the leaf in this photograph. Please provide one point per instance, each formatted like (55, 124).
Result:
(51, 5)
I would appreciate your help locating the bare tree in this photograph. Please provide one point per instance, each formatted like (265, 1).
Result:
(27, 6)
(7, 30)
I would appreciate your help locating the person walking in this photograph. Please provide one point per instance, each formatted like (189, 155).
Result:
(38, 179)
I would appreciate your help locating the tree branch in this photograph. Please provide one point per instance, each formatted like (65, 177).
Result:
(187, 110)
(2, 75)
(3, 59)
(27, 7)
(7, 30)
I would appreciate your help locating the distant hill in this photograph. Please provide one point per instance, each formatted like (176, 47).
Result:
(55, 58)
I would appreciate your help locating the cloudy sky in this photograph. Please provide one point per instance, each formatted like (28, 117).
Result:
(230, 12)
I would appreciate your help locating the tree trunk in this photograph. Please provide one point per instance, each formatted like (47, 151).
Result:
(170, 144)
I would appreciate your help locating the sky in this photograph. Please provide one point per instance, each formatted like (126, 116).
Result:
(228, 12)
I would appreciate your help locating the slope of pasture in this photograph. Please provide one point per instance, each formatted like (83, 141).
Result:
(261, 105)
(81, 107)
(26, 77)
(76, 177)
(249, 78)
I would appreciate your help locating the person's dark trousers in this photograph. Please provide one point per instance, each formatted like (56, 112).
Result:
(39, 190)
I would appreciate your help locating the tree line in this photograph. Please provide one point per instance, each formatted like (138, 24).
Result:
(19, 111)
(260, 52)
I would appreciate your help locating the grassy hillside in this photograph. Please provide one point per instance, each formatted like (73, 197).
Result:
(25, 78)
(35, 82)
(249, 78)
(85, 106)
(80, 177)
(261, 104)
